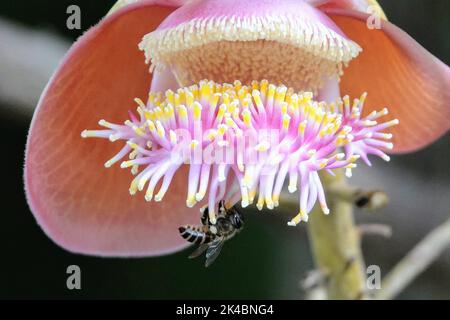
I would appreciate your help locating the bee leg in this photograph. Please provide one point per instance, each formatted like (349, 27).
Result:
(197, 252)
(205, 215)
(222, 209)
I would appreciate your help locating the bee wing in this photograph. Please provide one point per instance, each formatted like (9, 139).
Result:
(202, 248)
(213, 251)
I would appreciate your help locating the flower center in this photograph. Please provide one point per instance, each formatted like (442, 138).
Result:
(243, 141)
(298, 52)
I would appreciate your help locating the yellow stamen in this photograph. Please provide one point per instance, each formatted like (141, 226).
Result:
(280, 94)
(212, 134)
(194, 144)
(263, 146)
(286, 122)
(197, 111)
(138, 131)
(247, 117)
(132, 145)
(222, 129)
(302, 216)
(191, 201)
(302, 127)
(151, 126)
(140, 103)
(173, 137)
(160, 129)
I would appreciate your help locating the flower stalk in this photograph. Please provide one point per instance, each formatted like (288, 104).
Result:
(335, 244)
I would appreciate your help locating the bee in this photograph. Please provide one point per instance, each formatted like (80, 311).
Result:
(211, 237)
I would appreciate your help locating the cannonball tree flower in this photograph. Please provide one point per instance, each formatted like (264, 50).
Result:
(270, 64)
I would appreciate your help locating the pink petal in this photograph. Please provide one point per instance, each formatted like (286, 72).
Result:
(358, 5)
(82, 206)
(171, 3)
(202, 9)
(330, 92)
(164, 80)
(399, 73)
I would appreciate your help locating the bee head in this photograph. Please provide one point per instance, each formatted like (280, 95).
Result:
(230, 216)
(237, 219)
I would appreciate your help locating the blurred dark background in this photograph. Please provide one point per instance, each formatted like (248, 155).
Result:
(267, 260)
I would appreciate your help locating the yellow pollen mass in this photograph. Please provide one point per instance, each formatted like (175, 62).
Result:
(140, 102)
(197, 111)
(151, 125)
(139, 131)
(286, 121)
(182, 112)
(222, 129)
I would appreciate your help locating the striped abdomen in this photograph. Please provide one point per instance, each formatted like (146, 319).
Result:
(196, 234)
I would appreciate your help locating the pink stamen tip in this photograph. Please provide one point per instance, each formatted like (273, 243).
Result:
(254, 138)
